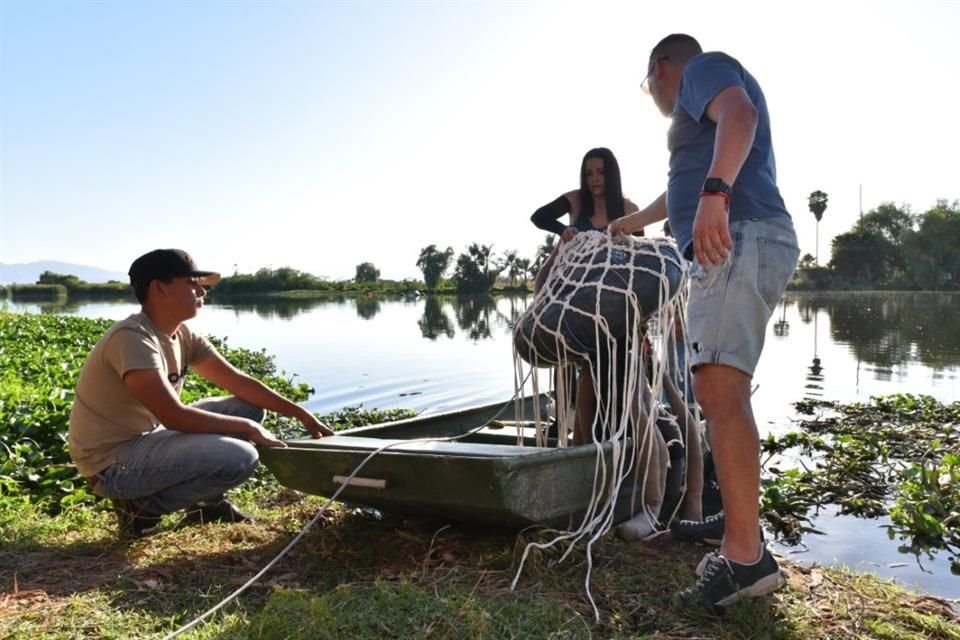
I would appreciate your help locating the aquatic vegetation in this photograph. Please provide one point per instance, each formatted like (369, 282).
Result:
(927, 507)
(40, 360)
(895, 456)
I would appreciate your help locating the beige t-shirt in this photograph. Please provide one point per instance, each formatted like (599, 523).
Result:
(105, 416)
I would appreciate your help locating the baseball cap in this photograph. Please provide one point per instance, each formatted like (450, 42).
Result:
(163, 264)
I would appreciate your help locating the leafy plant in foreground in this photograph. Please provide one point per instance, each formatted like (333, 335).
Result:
(927, 506)
(872, 460)
(40, 360)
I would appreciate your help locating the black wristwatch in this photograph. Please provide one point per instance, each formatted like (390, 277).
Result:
(715, 185)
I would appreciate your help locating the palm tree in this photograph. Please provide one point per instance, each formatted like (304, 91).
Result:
(510, 263)
(543, 252)
(521, 267)
(818, 204)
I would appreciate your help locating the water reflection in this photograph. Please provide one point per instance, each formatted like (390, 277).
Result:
(367, 306)
(888, 330)
(473, 315)
(781, 328)
(281, 309)
(61, 305)
(517, 306)
(884, 332)
(478, 317)
(814, 385)
(434, 322)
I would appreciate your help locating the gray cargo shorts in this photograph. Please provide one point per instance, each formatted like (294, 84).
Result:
(730, 304)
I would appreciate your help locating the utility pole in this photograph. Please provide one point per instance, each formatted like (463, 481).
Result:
(861, 201)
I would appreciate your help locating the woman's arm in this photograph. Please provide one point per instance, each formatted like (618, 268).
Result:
(548, 216)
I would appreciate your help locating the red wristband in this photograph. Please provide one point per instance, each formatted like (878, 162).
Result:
(725, 196)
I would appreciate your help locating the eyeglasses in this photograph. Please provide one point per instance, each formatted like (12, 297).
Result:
(193, 281)
(645, 84)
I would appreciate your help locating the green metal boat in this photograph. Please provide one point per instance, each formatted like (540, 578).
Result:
(494, 474)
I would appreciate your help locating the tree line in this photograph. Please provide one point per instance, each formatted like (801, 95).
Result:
(58, 286)
(478, 269)
(889, 247)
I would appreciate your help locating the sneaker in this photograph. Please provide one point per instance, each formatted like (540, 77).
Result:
(638, 527)
(722, 582)
(221, 510)
(709, 530)
(133, 521)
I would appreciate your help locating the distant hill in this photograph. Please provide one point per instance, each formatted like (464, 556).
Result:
(28, 273)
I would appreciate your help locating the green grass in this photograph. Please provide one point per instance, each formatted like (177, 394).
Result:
(360, 574)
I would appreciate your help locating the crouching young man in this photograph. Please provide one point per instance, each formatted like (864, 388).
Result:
(130, 435)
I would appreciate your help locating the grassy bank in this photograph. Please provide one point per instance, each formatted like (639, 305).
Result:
(360, 574)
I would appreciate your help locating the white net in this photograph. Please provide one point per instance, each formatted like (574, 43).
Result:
(611, 308)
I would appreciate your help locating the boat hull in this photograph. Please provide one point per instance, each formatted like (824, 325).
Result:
(486, 478)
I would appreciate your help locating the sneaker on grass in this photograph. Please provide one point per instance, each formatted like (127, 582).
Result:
(221, 510)
(133, 521)
(708, 530)
(722, 582)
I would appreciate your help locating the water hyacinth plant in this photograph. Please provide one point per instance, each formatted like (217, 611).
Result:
(40, 360)
(895, 456)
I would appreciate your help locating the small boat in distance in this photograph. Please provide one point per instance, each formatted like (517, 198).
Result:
(492, 474)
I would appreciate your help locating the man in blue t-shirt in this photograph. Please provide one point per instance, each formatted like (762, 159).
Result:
(728, 217)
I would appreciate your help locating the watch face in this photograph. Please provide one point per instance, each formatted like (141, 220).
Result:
(716, 185)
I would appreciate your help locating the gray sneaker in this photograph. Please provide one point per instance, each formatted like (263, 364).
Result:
(708, 530)
(722, 582)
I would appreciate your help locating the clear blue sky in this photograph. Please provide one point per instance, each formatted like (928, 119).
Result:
(319, 135)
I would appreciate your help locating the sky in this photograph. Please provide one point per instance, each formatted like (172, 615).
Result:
(320, 135)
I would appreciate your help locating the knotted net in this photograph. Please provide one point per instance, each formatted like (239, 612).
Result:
(608, 308)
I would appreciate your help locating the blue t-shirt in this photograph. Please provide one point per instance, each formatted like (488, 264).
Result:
(691, 139)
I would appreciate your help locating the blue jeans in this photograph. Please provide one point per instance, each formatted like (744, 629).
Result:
(730, 304)
(165, 470)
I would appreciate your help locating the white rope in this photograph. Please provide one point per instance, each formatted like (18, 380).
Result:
(249, 583)
(623, 427)
(546, 337)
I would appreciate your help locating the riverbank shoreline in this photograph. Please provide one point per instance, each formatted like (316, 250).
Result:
(364, 574)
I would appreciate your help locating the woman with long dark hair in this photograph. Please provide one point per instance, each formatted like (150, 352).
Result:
(598, 202)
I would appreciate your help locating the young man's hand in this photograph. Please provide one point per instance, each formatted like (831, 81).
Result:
(264, 438)
(711, 231)
(316, 428)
